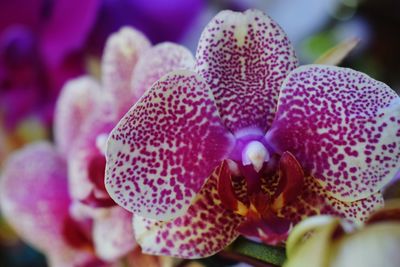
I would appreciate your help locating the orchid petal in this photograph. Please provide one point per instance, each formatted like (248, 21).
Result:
(34, 195)
(121, 53)
(244, 57)
(206, 228)
(162, 151)
(113, 234)
(86, 163)
(77, 100)
(291, 181)
(226, 190)
(299, 233)
(314, 200)
(156, 62)
(342, 126)
(318, 245)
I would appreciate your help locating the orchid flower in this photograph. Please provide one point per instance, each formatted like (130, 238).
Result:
(332, 242)
(247, 143)
(35, 201)
(86, 111)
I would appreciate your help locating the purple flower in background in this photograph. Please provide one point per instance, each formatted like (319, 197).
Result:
(249, 143)
(40, 48)
(159, 20)
(45, 43)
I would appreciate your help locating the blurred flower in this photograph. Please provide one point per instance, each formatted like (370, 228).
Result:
(159, 20)
(39, 50)
(86, 111)
(206, 155)
(35, 201)
(45, 43)
(329, 242)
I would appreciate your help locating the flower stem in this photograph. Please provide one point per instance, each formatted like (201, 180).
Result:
(244, 250)
(231, 255)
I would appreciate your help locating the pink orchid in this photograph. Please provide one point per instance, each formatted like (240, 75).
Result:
(249, 143)
(35, 201)
(86, 111)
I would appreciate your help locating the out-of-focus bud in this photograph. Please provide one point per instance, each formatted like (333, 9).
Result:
(324, 241)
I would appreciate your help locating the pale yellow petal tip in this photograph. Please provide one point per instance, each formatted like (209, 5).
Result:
(302, 229)
(338, 53)
(316, 242)
(31, 129)
(312, 250)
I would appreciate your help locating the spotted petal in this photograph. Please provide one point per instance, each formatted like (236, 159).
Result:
(34, 197)
(162, 151)
(121, 53)
(342, 126)
(113, 235)
(156, 62)
(244, 57)
(315, 200)
(77, 100)
(204, 230)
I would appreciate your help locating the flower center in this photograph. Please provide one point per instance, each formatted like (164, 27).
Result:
(255, 153)
(257, 183)
(97, 166)
(250, 157)
(99, 196)
(76, 235)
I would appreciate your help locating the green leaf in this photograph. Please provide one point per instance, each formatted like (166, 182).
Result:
(259, 251)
